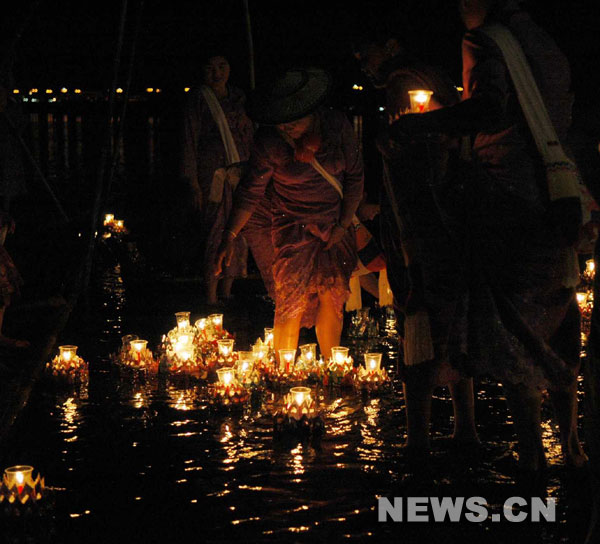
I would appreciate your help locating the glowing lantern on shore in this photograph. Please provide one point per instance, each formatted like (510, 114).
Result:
(419, 100)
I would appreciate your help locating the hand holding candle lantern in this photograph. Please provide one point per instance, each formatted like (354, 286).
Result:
(419, 100)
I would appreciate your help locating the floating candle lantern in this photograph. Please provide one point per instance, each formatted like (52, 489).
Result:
(372, 362)
(245, 361)
(225, 347)
(259, 350)
(269, 337)
(308, 353)
(590, 270)
(67, 353)
(109, 219)
(201, 324)
(225, 375)
(216, 320)
(301, 396)
(19, 486)
(17, 476)
(339, 354)
(419, 100)
(286, 358)
(183, 320)
(137, 348)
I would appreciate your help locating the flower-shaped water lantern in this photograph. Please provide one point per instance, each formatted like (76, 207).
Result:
(340, 368)
(298, 414)
(68, 366)
(20, 487)
(139, 357)
(371, 376)
(286, 373)
(228, 392)
(183, 358)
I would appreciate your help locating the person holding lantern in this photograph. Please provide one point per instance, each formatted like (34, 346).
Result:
(424, 265)
(299, 145)
(523, 318)
(217, 135)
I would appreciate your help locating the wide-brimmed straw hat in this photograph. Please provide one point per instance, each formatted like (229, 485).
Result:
(289, 96)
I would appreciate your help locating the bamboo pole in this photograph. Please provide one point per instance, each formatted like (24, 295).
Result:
(35, 165)
(119, 135)
(105, 154)
(250, 45)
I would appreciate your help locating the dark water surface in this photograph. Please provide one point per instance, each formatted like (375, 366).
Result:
(152, 462)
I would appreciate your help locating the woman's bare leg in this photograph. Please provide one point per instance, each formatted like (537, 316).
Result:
(211, 290)
(525, 405)
(285, 334)
(226, 284)
(463, 402)
(418, 387)
(328, 325)
(565, 410)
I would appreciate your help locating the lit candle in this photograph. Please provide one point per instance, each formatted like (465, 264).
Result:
(225, 347)
(269, 337)
(590, 269)
(183, 320)
(201, 323)
(17, 476)
(67, 353)
(138, 347)
(286, 358)
(373, 362)
(581, 299)
(308, 352)
(246, 361)
(300, 395)
(225, 375)
(120, 224)
(339, 354)
(419, 100)
(108, 219)
(258, 350)
(216, 320)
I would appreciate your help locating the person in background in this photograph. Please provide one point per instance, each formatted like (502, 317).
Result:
(314, 252)
(217, 135)
(523, 318)
(424, 264)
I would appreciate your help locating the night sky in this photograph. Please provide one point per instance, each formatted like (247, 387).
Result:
(72, 43)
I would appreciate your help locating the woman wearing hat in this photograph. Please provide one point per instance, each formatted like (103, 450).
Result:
(314, 250)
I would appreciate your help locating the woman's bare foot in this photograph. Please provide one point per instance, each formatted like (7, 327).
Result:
(573, 454)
